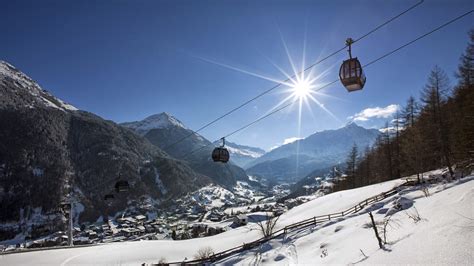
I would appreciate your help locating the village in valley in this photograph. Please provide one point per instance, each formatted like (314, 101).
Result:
(208, 211)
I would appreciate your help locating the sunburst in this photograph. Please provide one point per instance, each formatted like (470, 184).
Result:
(301, 87)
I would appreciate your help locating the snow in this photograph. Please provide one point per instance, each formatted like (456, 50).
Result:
(159, 183)
(157, 121)
(243, 152)
(252, 178)
(212, 196)
(391, 130)
(7, 70)
(66, 105)
(243, 189)
(443, 236)
(78, 208)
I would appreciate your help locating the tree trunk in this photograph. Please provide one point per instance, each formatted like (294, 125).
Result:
(375, 230)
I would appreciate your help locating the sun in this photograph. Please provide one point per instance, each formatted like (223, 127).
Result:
(301, 89)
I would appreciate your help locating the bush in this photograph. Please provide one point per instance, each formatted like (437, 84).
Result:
(266, 227)
(414, 215)
(204, 253)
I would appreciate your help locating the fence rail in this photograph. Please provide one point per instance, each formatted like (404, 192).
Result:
(298, 225)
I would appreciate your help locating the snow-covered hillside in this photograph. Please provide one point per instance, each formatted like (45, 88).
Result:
(243, 155)
(214, 196)
(29, 86)
(442, 236)
(249, 151)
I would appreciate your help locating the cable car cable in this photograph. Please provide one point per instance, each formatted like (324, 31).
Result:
(419, 37)
(304, 70)
(386, 22)
(241, 128)
(404, 45)
(328, 84)
(332, 82)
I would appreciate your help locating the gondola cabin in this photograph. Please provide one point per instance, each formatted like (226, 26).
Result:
(351, 75)
(122, 186)
(220, 154)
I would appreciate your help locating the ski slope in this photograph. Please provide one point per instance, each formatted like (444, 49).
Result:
(443, 236)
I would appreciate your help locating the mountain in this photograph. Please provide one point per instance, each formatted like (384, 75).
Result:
(169, 134)
(19, 92)
(320, 180)
(49, 149)
(242, 155)
(317, 151)
(157, 121)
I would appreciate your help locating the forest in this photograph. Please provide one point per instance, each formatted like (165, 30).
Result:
(435, 130)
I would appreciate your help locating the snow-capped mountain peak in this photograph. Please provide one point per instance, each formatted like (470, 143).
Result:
(351, 124)
(22, 84)
(161, 120)
(244, 150)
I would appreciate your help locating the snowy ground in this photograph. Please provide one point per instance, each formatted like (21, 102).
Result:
(443, 236)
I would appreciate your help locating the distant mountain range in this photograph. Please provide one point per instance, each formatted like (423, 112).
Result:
(320, 150)
(155, 126)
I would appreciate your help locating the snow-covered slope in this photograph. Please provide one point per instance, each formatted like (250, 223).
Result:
(25, 85)
(243, 155)
(443, 236)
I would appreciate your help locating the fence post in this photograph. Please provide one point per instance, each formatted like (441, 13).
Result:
(342, 213)
(315, 220)
(329, 216)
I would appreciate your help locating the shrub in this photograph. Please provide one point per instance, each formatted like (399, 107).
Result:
(266, 227)
(204, 253)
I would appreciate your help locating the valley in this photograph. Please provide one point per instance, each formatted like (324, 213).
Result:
(209, 132)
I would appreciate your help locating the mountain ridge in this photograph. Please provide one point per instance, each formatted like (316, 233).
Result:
(155, 121)
(319, 150)
(184, 144)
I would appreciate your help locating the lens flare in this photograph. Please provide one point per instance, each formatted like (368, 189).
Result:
(302, 89)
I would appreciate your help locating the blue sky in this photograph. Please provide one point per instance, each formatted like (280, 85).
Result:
(125, 60)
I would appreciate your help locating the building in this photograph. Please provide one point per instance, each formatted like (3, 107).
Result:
(140, 218)
(128, 232)
(241, 219)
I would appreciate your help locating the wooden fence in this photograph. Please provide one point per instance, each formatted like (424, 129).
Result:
(298, 225)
